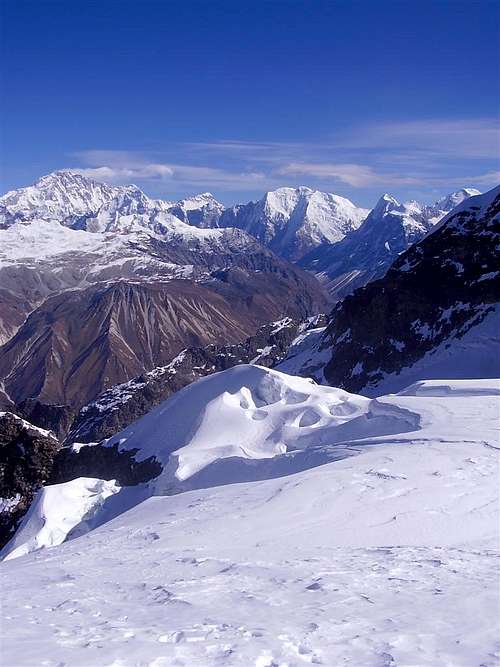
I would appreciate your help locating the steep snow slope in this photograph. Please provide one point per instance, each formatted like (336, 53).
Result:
(57, 510)
(26, 456)
(384, 558)
(435, 212)
(130, 210)
(474, 354)
(367, 252)
(292, 221)
(307, 356)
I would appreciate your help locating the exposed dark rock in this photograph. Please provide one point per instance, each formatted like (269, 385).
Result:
(26, 457)
(103, 462)
(55, 418)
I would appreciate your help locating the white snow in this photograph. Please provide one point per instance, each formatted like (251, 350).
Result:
(281, 324)
(62, 195)
(305, 355)
(262, 354)
(474, 206)
(8, 504)
(57, 511)
(384, 558)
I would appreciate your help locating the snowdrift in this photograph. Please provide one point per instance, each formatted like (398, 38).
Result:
(60, 512)
(244, 413)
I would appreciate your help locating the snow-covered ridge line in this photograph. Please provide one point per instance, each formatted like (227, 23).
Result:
(291, 221)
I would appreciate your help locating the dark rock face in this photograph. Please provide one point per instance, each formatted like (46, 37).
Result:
(103, 462)
(26, 457)
(55, 418)
(123, 404)
(438, 289)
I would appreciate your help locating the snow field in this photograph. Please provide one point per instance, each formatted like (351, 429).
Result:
(387, 557)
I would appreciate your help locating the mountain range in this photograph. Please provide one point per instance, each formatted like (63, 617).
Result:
(100, 283)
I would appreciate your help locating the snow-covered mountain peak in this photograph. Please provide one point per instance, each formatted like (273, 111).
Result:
(385, 204)
(281, 202)
(292, 221)
(474, 208)
(199, 199)
(201, 210)
(62, 196)
(447, 203)
(367, 252)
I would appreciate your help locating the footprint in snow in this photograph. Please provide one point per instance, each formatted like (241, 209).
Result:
(316, 586)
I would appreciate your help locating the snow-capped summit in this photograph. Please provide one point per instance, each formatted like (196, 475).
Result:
(368, 251)
(128, 211)
(444, 205)
(385, 203)
(292, 221)
(455, 198)
(62, 196)
(201, 210)
(410, 216)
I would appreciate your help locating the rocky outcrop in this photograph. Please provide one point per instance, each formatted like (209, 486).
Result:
(103, 462)
(26, 458)
(54, 418)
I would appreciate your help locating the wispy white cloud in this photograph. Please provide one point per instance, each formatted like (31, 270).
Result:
(124, 166)
(356, 175)
(404, 156)
(491, 178)
(467, 138)
(116, 174)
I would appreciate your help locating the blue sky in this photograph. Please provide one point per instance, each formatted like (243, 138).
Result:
(356, 98)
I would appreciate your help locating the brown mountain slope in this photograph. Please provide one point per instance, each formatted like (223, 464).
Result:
(80, 342)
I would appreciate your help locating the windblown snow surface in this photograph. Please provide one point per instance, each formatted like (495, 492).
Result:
(366, 535)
